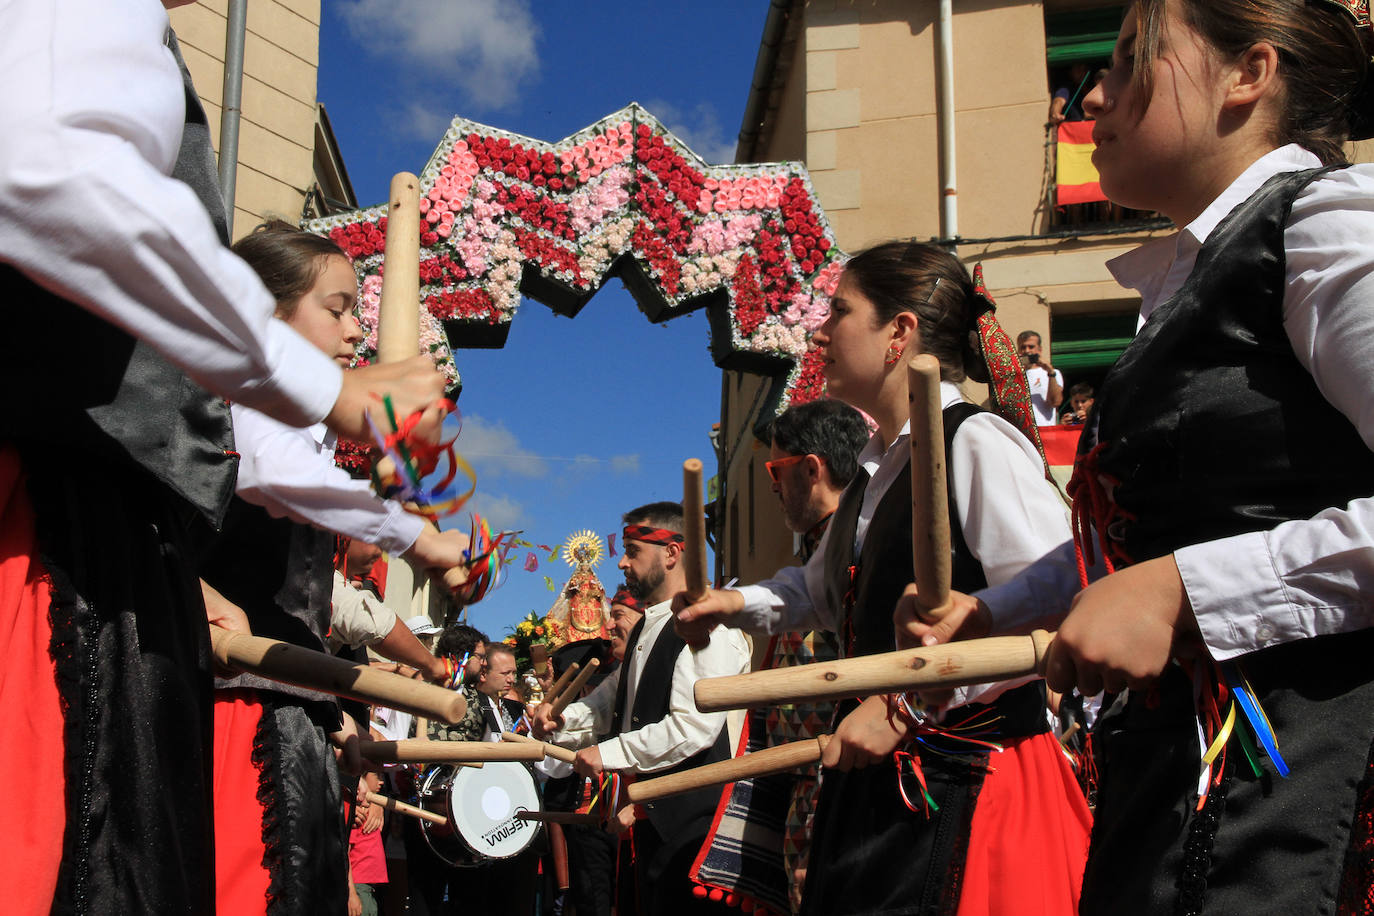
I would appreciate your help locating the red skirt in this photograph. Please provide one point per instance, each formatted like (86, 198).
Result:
(1028, 841)
(241, 877)
(31, 740)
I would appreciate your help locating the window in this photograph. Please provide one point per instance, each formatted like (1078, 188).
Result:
(1078, 46)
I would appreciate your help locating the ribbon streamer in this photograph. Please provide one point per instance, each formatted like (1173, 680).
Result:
(1254, 716)
(414, 459)
(484, 557)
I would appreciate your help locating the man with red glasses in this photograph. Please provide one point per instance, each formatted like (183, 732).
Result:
(813, 457)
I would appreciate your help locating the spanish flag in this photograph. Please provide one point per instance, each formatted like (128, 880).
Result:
(1076, 178)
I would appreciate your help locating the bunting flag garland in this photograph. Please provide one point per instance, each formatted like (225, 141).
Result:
(1075, 175)
(531, 562)
(548, 583)
(610, 542)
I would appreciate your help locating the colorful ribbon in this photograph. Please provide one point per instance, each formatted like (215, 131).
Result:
(485, 556)
(413, 460)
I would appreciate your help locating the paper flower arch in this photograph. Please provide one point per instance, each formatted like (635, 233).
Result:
(504, 215)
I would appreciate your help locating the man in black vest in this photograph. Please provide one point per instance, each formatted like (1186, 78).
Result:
(647, 719)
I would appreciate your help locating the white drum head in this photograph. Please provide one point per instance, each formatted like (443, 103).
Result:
(485, 801)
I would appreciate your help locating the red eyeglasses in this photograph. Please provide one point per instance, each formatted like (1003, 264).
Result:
(775, 466)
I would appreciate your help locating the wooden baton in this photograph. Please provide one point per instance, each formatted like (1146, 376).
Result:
(560, 817)
(280, 661)
(694, 531)
(550, 750)
(771, 760)
(568, 674)
(931, 557)
(419, 750)
(400, 807)
(570, 694)
(398, 313)
(955, 664)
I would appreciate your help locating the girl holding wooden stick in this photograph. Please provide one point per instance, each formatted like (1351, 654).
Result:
(278, 835)
(1225, 473)
(916, 814)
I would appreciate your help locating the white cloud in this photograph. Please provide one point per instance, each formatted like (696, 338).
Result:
(486, 46)
(501, 512)
(493, 450)
(699, 127)
(421, 121)
(625, 464)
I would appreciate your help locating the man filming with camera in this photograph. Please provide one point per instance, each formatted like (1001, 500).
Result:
(1045, 382)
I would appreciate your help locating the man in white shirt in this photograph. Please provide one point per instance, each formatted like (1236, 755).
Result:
(648, 716)
(1046, 383)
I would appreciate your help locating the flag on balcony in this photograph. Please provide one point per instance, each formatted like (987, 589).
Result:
(1075, 174)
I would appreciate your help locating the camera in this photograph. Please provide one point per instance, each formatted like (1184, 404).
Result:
(1033, 358)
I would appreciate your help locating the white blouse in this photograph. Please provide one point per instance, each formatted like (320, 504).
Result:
(93, 111)
(290, 472)
(1303, 578)
(1010, 514)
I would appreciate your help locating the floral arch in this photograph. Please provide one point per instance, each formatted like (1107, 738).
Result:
(505, 215)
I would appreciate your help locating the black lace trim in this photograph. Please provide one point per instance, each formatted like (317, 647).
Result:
(76, 688)
(265, 744)
(1197, 851)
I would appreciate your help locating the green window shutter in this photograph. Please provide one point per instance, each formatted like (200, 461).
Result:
(1090, 342)
(1087, 35)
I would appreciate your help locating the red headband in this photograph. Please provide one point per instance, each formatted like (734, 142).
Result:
(660, 536)
(625, 597)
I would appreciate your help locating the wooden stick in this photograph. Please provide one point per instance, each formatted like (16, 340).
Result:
(550, 750)
(563, 679)
(694, 531)
(418, 750)
(931, 557)
(771, 760)
(569, 695)
(279, 661)
(398, 313)
(1069, 733)
(400, 807)
(955, 664)
(560, 817)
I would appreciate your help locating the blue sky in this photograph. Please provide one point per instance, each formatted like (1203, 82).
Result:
(574, 421)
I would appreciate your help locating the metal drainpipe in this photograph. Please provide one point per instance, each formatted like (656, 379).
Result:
(237, 28)
(949, 193)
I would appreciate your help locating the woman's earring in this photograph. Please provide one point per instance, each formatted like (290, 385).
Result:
(894, 353)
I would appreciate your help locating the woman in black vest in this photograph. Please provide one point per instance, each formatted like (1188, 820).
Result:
(1226, 472)
(279, 834)
(908, 833)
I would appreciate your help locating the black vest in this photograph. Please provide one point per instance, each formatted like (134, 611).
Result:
(865, 623)
(1210, 422)
(281, 574)
(690, 811)
(88, 385)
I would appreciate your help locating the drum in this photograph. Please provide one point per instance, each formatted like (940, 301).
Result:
(481, 806)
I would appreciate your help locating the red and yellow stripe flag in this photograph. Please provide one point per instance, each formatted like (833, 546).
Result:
(1075, 176)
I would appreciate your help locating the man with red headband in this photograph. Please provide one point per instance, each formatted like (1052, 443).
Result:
(646, 712)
